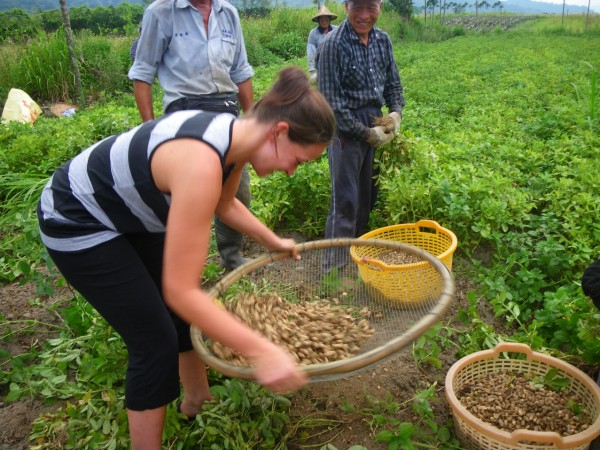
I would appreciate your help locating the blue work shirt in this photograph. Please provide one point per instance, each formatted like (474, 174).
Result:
(174, 45)
(353, 75)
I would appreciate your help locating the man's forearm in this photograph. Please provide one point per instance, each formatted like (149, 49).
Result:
(142, 92)
(246, 94)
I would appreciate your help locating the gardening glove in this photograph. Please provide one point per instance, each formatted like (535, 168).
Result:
(395, 121)
(379, 136)
(313, 78)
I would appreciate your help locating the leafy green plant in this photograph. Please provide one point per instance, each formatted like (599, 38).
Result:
(592, 100)
(383, 418)
(87, 347)
(552, 380)
(298, 203)
(479, 334)
(426, 350)
(242, 415)
(94, 421)
(21, 251)
(287, 45)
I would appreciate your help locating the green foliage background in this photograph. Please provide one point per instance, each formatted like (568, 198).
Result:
(499, 143)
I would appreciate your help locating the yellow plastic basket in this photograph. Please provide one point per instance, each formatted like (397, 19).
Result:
(409, 284)
(476, 434)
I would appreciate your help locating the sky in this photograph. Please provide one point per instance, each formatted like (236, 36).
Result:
(595, 4)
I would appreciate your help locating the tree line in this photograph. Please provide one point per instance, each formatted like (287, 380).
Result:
(17, 25)
(459, 7)
(44, 5)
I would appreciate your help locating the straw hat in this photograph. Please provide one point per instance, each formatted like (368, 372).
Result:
(323, 11)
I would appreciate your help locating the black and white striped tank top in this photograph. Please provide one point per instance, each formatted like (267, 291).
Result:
(108, 190)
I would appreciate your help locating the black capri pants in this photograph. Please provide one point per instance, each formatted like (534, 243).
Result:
(121, 279)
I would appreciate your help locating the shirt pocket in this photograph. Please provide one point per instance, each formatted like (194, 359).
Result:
(353, 77)
(228, 46)
(379, 68)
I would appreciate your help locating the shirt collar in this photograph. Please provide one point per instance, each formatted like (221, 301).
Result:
(372, 34)
(215, 4)
(322, 30)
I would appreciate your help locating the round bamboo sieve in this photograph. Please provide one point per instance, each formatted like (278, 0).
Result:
(395, 326)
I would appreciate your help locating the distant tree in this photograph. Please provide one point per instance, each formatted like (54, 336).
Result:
(431, 4)
(50, 20)
(252, 4)
(27, 5)
(587, 17)
(457, 8)
(404, 8)
(16, 25)
(64, 10)
(80, 17)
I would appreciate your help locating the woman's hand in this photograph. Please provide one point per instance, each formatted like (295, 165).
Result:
(276, 370)
(285, 245)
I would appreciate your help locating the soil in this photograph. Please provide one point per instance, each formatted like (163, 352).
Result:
(326, 412)
(386, 122)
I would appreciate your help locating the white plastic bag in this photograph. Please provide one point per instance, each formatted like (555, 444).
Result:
(19, 106)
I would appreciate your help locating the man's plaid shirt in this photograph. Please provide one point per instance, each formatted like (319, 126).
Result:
(352, 75)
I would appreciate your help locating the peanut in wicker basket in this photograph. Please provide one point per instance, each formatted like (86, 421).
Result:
(476, 434)
(394, 328)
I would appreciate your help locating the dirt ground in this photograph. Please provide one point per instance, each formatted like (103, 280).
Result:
(323, 402)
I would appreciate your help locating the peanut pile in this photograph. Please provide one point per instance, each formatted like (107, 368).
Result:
(510, 401)
(317, 331)
(397, 258)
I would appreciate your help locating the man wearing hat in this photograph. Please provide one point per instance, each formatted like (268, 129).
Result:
(316, 36)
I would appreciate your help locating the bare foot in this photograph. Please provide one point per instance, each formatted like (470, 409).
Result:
(190, 408)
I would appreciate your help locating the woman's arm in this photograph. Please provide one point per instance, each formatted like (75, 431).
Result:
(236, 215)
(191, 172)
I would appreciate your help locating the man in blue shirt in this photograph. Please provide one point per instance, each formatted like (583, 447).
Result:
(196, 47)
(358, 76)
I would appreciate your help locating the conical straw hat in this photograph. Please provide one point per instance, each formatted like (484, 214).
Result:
(323, 11)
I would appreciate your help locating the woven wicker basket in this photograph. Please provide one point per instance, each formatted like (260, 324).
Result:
(411, 283)
(476, 434)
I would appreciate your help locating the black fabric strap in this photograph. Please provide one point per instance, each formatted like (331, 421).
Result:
(207, 103)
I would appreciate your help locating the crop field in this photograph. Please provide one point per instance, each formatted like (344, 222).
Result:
(500, 143)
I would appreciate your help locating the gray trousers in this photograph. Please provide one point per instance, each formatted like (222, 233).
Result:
(229, 241)
(353, 188)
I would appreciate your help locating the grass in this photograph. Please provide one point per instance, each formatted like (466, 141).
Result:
(571, 23)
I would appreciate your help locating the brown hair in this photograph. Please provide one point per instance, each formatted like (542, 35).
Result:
(293, 100)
